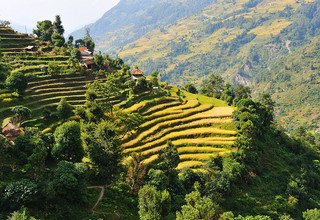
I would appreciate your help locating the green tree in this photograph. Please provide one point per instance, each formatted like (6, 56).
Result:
(44, 30)
(311, 214)
(197, 208)
(168, 159)
(141, 85)
(21, 215)
(17, 81)
(70, 40)
(76, 54)
(136, 173)
(69, 183)
(58, 40)
(68, 144)
(4, 70)
(108, 89)
(191, 88)
(100, 60)
(153, 204)
(21, 114)
(212, 86)
(54, 68)
(57, 26)
(64, 109)
(104, 151)
(20, 193)
(154, 78)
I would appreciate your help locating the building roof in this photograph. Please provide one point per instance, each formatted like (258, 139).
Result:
(84, 51)
(137, 72)
(29, 47)
(12, 131)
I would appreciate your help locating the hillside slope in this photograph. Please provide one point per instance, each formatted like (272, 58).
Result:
(130, 20)
(240, 39)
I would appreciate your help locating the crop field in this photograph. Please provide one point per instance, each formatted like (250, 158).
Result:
(44, 90)
(199, 130)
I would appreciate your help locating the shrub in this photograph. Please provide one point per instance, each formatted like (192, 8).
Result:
(54, 68)
(20, 193)
(68, 142)
(17, 81)
(64, 109)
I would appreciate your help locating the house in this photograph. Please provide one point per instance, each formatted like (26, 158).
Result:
(12, 131)
(87, 58)
(136, 74)
(30, 48)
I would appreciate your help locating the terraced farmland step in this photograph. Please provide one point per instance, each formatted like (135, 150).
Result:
(41, 84)
(162, 107)
(63, 89)
(174, 110)
(171, 120)
(200, 157)
(190, 164)
(184, 134)
(198, 149)
(157, 131)
(54, 94)
(186, 113)
(51, 79)
(59, 84)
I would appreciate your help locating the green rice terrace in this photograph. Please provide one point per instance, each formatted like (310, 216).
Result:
(200, 127)
(31, 57)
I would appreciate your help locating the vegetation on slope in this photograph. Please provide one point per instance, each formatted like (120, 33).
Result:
(239, 39)
(159, 153)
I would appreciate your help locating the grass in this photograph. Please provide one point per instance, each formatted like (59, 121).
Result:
(189, 164)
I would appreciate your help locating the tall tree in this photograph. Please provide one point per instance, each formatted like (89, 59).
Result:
(57, 39)
(136, 173)
(104, 151)
(44, 30)
(68, 144)
(57, 25)
(213, 86)
(153, 204)
(197, 208)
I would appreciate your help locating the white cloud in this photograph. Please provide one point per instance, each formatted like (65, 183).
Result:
(74, 13)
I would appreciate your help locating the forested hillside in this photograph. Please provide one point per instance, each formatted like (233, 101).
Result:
(240, 39)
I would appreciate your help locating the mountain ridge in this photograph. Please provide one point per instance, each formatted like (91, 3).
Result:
(239, 39)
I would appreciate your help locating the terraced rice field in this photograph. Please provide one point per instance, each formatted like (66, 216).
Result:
(43, 90)
(47, 91)
(199, 130)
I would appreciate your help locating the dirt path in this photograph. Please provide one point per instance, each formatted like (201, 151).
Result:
(103, 189)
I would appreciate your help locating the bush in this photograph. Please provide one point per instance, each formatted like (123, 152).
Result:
(17, 81)
(20, 193)
(58, 40)
(54, 69)
(68, 142)
(64, 109)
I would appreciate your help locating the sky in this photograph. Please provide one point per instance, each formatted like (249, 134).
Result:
(74, 13)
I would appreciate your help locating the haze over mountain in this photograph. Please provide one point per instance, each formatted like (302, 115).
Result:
(241, 39)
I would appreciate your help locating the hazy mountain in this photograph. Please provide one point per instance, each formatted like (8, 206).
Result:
(131, 19)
